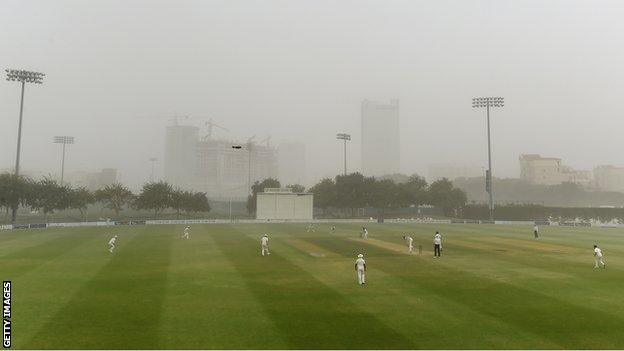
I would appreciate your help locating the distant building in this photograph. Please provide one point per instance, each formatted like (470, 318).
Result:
(92, 180)
(536, 169)
(609, 178)
(380, 138)
(452, 172)
(223, 172)
(292, 163)
(181, 154)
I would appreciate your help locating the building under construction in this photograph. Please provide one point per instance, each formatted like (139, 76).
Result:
(223, 169)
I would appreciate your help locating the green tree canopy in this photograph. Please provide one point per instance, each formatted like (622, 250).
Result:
(114, 197)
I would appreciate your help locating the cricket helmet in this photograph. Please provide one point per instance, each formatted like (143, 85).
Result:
(360, 256)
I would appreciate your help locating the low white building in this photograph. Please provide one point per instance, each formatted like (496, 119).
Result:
(282, 203)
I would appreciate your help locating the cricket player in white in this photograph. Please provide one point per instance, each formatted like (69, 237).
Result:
(598, 258)
(364, 233)
(410, 242)
(265, 244)
(332, 229)
(186, 232)
(111, 244)
(360, 267)
(535, 232)
(311, 228)
(437, 245)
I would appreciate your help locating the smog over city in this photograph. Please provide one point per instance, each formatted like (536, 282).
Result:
(296, 73)
(312, 174)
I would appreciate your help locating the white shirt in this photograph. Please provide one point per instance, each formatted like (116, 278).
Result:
(535, 228)
(365, 231)
(112, 241)
(360, 263)
(186, 231)
(598, 252)
(437, 239)
(264, 241)
(409, 241)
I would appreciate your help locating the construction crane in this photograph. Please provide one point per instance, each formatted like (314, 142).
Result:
(211, 125)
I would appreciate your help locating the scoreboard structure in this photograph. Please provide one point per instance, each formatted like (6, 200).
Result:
(283, 204)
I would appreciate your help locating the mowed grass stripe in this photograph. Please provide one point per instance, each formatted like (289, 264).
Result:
(414, 313)
(548, 274)
(562, 323)
(425, 311)
(47, 249)
(41, 293)
(119, 308)
(308, 313)
(208, 304)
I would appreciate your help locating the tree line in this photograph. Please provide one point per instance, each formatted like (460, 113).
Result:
(347, 193)
(510, 190)
(47, 195)
(532, 212)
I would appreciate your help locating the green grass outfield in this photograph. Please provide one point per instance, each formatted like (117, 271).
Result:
(494, 287)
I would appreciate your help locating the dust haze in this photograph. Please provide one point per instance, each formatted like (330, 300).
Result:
(117, 72)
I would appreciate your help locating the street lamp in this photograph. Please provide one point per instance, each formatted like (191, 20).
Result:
(63, 140)
(23, 77)
(344, 137)
(488, 102)
(153, 161)
(248, 147)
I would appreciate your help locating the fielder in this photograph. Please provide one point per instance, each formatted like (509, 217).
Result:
(364, 233)
(437, 245)
(186, 232)
(264, 242)
(410, 247)
(598, 258)
(332, 229)
(311, 228)
(111, 244)
(535, 232)
(360, 268)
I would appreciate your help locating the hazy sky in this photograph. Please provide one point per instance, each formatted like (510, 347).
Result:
(298, 70)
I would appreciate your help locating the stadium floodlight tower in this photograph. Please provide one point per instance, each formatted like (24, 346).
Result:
(23, 77)
(63, 140)
(487, 102)
(344, 137)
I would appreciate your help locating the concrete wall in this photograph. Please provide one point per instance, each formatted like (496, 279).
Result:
(284, 206)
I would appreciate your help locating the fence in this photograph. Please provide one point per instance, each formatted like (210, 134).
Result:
(333, 221)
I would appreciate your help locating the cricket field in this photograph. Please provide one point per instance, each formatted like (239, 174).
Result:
(494, 287)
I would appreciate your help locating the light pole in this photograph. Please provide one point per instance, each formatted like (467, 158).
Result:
(23, 77)
(63, 140)
(344, 137)
(488, 102)
(248, 147)
(153, 161)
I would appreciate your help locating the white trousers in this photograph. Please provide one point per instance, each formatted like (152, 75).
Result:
(598, 261)
(265, 249)
(361, 276)
(185, 235)
(111, 248)
(410, 248)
